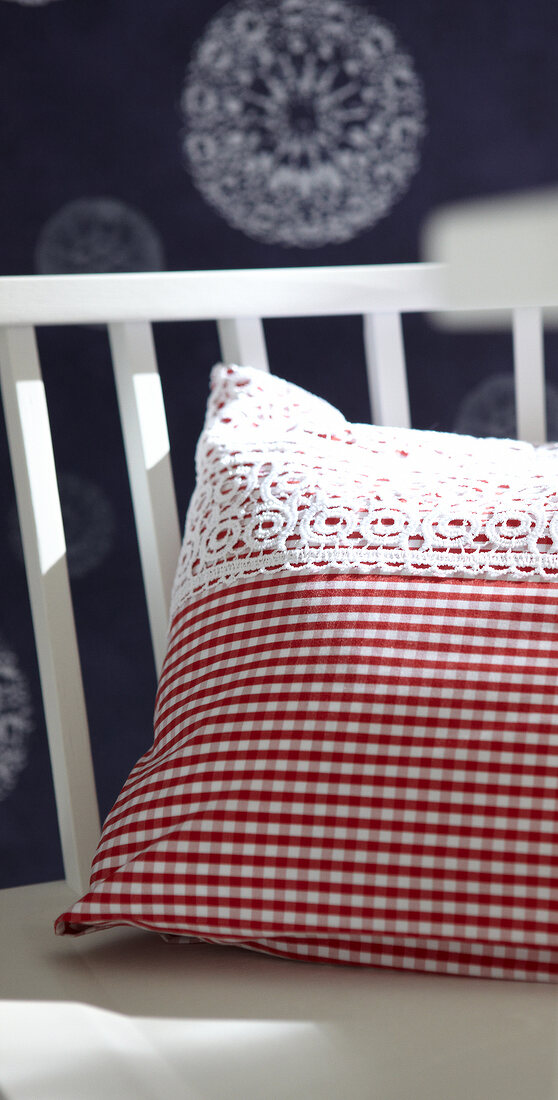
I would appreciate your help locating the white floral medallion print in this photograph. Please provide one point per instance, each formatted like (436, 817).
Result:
(32, 3)
(89, 524)
(97, 234)
(303, 119)
(16, 719)
(488, 409)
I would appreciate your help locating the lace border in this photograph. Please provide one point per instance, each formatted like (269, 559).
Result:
(494, 565)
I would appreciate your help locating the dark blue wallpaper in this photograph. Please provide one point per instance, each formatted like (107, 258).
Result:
(176, 135)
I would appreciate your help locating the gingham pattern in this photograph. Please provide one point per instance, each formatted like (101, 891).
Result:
(353, 769)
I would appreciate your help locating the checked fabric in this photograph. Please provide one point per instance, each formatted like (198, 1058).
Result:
(349, 765)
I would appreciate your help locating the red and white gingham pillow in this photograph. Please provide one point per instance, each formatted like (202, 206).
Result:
(356, 749)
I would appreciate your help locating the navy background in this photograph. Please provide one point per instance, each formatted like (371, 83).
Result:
(90, 106)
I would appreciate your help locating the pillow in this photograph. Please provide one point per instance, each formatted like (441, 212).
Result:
(355, 756)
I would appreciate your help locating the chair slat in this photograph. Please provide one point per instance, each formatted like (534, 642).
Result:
(242, 342)
(528, 351)
(44, 550)
(385, 366)
(146, 441)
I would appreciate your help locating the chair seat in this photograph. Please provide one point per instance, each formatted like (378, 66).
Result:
(223, 1022)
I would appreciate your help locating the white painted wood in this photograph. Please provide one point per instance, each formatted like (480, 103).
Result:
(528, 349)
(217, 1017)
(242, 341)
(498, 252)
(146, 441)
(207, 295)
(47, 574)
(385, 367)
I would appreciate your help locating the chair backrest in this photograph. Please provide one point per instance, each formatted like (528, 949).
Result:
(238, 301)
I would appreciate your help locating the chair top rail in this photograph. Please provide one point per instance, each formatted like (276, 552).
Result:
(207, 295)
(258, 292)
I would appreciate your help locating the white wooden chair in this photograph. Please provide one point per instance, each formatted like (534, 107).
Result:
(121, 1012)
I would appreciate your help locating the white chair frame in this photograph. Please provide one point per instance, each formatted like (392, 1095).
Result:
(35, 969)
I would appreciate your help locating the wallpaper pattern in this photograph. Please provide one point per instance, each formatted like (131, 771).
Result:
(142, 136)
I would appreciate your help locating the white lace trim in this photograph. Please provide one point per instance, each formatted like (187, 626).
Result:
(285, 482)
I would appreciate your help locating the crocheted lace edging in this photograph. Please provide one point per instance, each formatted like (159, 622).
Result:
(284, 482)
